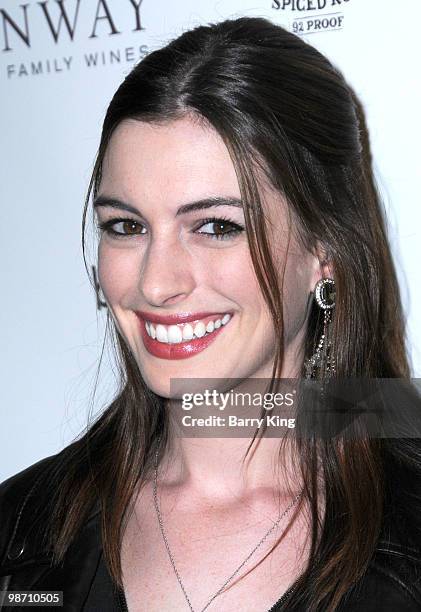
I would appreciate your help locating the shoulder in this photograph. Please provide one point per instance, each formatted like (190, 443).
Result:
(393, 578)
(25, 506)
(26, 560)
(15, 495)
(391, 583)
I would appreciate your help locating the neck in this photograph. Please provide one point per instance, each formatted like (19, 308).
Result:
(213, 469)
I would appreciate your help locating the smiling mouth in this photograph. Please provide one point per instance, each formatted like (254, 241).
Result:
(185, 332)
(182, 340)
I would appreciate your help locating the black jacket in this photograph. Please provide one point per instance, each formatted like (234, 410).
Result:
(392, 582)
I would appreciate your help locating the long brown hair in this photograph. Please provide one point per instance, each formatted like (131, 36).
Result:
(282, 109)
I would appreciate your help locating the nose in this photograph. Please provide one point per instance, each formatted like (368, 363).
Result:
(166, 274)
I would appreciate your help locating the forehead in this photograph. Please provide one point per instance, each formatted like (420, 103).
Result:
(175, 161)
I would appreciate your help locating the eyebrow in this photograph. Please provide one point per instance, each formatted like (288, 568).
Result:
(185, 208)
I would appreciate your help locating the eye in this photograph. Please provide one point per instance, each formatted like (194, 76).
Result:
(219, 228)
(128, 227)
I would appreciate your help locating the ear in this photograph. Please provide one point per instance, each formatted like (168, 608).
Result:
(322, 265)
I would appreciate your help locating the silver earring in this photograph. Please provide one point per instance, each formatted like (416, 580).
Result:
(323, 358)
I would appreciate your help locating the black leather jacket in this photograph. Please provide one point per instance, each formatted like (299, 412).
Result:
(392, 582)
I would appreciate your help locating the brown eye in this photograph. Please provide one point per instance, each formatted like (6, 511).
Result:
(219, 228)
(222, 227)
(128, 227)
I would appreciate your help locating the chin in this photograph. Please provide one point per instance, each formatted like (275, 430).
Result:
(172, 381)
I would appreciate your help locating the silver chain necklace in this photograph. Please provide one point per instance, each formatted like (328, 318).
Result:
(161, 526)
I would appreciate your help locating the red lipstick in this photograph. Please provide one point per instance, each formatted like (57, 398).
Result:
(173, 319)
(181, 350)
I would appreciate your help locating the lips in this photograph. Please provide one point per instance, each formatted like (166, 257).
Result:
(181, 350)
(173, 319)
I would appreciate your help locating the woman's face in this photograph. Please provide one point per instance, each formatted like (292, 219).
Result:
(180, 264)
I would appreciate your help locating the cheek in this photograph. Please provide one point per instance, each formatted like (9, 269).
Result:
(116, 271)
(296, 294)
(231, 273)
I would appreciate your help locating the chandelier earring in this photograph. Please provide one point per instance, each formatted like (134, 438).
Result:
(323, 359)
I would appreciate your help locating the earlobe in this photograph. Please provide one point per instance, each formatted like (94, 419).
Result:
(100, 303)
(323, 267)
(320, 271)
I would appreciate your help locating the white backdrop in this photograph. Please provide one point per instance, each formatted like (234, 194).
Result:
(60, 62)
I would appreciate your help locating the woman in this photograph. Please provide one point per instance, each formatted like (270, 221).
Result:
(241, 237)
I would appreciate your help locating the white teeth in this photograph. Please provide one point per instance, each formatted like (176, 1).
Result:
(174, 334)
(161, 334)
(199, 329)
(187, 332)
(150, 329)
